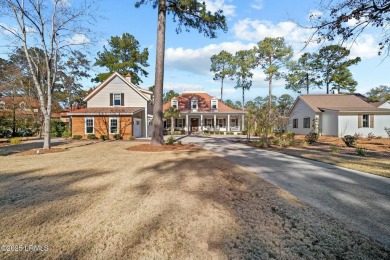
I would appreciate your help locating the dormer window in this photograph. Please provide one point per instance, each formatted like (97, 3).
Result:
(22, 105)
(194, 103)
(2, 105)
(214, 103)
(174, 103)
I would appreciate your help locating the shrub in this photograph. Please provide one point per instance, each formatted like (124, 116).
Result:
(15, 140)
(378, 137)
(334, 149)
(131, 138)
(349, 140)
(118, 136)
(77, 137)
(170, 140)
(104, 137)
(285, 143)
(304, 143)
(260, 143)
(275, 141)
(361, 151)
(91, 137)
(357, 136)
(387, 129)
(370, 136)
(179, 143)
(66, 134)
(290, 135)
(311, 137)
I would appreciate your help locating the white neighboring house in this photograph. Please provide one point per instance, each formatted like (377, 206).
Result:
(382, 104)
(338, 115)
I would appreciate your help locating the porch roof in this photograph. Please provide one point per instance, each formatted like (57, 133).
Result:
(106, 111)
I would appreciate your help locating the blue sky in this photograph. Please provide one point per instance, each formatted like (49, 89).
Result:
(249, 21)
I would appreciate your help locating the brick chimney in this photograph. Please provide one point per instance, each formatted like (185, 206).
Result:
(128, 77)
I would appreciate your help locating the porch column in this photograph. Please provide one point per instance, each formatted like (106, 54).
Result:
(228, 123)
(187, 129)
(215, 121)
(201, 122)
(242, 121)
(172, 125)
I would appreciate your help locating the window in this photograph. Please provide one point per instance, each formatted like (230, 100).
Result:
(174, 103)
(209, 122)
(179, 122)
(117, 99)
(214, 104)
(221, 122)
(114, 125)
(22, 105)
(295, 123)
(234, 122)
(169, 123)
(194, 104)
(89, 125)
(366, 120)
(306, 122)
(2, 105)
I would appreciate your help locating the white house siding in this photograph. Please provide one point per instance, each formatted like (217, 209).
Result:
(131, 98)
(329, 123)
(385, 105)
(301, 110)
(348, 125)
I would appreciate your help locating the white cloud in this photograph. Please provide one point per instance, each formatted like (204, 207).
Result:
(180, 87)
(78, 38)
(365, 47)
(197, 61)
(215, 5)
(226, 91)
(257, 4)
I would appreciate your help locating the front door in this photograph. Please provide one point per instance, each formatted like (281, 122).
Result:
(194, 124)
(137, 128)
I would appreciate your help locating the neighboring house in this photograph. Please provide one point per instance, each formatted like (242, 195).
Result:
(201, 112)
(337, 115)
(116, 106)
(382, 104)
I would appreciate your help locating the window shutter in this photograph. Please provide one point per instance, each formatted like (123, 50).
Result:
(111, 99)
(360, 119)
(122, 99)
(371, 120)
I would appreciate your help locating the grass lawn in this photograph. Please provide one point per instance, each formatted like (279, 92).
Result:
(102, 201)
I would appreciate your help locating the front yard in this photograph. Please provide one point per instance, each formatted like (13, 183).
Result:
(104, 201)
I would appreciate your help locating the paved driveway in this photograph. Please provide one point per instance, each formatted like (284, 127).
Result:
(359, 199)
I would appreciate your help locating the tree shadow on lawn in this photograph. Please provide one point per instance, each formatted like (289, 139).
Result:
(36, 206)
(267, 221)
(17, 148)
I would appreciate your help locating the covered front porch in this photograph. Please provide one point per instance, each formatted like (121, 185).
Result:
(191, 123)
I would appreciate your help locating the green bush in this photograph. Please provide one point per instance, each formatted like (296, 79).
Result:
(275, 141)
(91, 137)
(304, 143)
(334, 149)
(57, 127)
(131, 138)
(349, 140)
(290, 135)
(311, 137)
(104, 137)
(361, 151)
(260, 143)
(117, 136)
(66, 134)
(15, 140)
(285, 143)
(170, 140)
(77, 137)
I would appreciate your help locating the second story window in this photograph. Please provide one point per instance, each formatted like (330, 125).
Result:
(174, 103)
(117, 99)
(214, 104)
(194, 104)
(2, 105)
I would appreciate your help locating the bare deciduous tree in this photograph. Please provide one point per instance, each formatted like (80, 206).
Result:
(55, 27)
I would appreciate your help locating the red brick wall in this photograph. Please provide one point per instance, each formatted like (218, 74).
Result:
(101, 125)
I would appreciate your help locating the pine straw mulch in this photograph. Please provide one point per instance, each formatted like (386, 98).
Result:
(163, 148)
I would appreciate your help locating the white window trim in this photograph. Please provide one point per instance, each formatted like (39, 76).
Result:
(174, 103)
(169, 123)
(222, 125)
(368, 121)
(113, 99)
(211, 122)
(235, 120)
(117, 126)
(194, 101)
(181, 122)
(216, 103)
(93, 125)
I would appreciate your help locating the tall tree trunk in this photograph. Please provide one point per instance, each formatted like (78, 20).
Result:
(270, 92)
(221, 90)
(157, 134)
(46, 131)
(307, 83)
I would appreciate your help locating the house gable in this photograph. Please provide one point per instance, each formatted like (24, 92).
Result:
(116, 84)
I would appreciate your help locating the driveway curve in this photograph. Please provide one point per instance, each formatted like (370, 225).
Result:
(359, 199)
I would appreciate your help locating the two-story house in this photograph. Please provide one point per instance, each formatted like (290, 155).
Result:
(201, 112)
(116, 106)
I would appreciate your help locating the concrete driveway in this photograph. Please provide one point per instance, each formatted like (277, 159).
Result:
(359, 199)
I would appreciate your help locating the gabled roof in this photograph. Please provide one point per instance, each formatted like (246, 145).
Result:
(109, 79)
(378, 104)
(336, 102)
(204, 103)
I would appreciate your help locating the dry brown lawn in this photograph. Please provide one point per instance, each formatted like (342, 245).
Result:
(102, 201)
